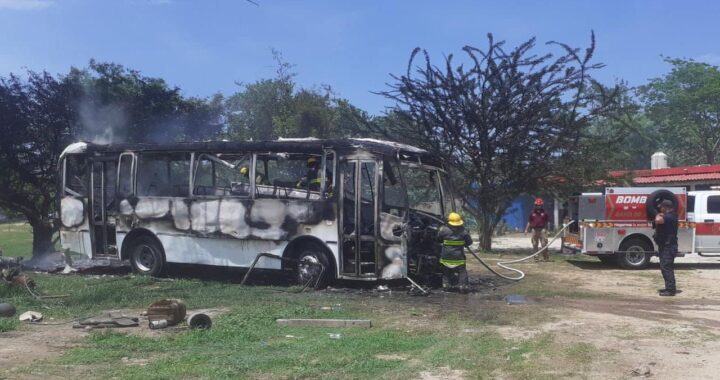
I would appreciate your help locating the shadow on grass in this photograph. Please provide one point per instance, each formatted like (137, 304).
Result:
(592, 265)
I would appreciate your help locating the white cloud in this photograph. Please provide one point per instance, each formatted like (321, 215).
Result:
(25, 5)
(711, 58)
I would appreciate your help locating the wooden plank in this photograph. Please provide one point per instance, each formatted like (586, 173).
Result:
(325, 322)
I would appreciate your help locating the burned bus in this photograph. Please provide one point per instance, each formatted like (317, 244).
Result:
(364, 209)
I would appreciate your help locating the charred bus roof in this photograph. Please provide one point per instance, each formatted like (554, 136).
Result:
(300, 145)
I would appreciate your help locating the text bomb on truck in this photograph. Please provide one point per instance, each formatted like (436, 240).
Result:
(616, 225)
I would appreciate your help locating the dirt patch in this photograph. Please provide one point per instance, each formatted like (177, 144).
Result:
(37, 342)
(391, 357)
(442, 373)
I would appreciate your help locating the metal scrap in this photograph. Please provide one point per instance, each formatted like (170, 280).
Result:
(30, 316)
(107, 320)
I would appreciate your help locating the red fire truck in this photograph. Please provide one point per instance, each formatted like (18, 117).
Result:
(616, 225)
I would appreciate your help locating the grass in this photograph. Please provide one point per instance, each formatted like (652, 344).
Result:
(409, 335)
(245, 342)
(16, 239)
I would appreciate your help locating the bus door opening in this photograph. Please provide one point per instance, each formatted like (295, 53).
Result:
(102, 198)
(359, 197)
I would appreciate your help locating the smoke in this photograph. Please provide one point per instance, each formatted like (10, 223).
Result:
(103, 124)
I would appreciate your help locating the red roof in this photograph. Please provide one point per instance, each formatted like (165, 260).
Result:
(677, 178)
(673, 175)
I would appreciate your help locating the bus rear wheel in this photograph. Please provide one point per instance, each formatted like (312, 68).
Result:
(147, 256)
(313, 267)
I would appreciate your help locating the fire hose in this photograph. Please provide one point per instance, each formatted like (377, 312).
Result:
(503, 264)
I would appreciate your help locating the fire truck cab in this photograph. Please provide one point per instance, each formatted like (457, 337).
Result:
(617, 225)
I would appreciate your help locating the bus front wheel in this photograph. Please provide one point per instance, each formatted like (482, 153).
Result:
(146, 256)
(313, 268)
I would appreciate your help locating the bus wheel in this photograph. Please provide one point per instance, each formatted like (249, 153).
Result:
(146, 256)
(311, 260)
(634, 254)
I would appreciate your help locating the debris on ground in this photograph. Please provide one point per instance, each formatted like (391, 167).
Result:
(325, 322)
(334, 335)
(158, 324)
(30, 316)
(199, 321)
(7, 310)
(641, 371)
(107, 320)
(513, 299)
(12, 275)
(171, 310)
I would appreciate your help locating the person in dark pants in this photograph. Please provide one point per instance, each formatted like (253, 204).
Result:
(666, 228)
(538, 221)
(454, 239)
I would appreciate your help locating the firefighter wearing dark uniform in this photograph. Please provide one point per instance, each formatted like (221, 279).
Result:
(666, 229)
(454, 239)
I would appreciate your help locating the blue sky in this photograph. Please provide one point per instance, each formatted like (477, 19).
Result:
(205, 47)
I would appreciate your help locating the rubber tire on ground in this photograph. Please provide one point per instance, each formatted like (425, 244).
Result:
(152, 265)
(632, 260)
(304, 273)
(651, 205)
(608, 259)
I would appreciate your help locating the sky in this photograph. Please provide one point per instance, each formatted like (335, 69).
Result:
(206, 47)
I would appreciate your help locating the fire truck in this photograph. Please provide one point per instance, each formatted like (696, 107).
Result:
(616, 225)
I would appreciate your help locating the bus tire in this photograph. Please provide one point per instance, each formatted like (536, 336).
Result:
(147, 256)
(635, 254)
(308, 270)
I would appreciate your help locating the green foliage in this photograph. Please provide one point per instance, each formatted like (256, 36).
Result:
(271, 108)
(40, 114)
(505, 123)
(685, 105)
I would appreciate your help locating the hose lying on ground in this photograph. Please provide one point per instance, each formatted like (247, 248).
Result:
(503, 264)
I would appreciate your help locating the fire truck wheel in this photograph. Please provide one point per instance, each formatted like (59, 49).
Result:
(147, 256)
(635, 254)
(308, 270)
(654, 200)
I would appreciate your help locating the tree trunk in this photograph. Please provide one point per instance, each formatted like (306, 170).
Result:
(486, 229)
(42, 238)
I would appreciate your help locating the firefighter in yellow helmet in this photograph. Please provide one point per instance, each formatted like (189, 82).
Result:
(454, 239)
(312, 179)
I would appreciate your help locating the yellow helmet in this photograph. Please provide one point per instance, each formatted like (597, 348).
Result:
(244, 170)
(454, 219)
(312, 160)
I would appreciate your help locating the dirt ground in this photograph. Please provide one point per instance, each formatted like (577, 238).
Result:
(632, 331)
(637, 332)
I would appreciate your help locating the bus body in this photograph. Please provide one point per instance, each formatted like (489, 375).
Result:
(372, 212)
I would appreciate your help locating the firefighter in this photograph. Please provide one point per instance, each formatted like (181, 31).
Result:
(538, 221)
(666, 228)
(454, 239)
(312, 179)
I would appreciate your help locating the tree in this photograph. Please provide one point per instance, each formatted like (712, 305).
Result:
(685, 104)
(41, 115)
(507, 123)
(276, 107)
(36, 123)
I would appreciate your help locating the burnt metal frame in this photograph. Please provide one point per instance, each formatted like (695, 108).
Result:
(272, 256)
